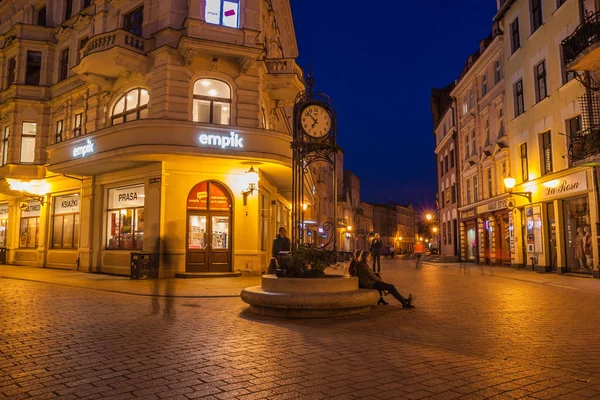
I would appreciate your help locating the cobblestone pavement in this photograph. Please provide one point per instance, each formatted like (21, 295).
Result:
(475, 333)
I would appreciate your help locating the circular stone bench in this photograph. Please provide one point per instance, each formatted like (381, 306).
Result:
(331, 296)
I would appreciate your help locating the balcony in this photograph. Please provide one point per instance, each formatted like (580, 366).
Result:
(581, 50)
(584, 145)
(113, 53)
(284, 78)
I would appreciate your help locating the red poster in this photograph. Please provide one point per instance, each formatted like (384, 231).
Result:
(219, 200)
(198, 197)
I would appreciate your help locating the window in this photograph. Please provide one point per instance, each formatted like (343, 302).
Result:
(452, 158)
(489, 181)
(468, 191)
(447, 196)
(473, 143)
(28, 142)
(444, 232)
(524, 164)
(519, 101)
(536, 15)
(41, 16)
(10, 76)
(65, 224)
(453, 193)
(488, 140)
(500, 123)
(68, 8)
(63, 67)
(475, 189)
(465, 106)
(541, 91)
(4, 154)
(223, 12)
(573, 126)
(504, 169)
(546, 152)
(449, 230)
(125, 225)
(77, 124)
(467, 152)
(87, 3)
(471, 99)
(441, 167)
(59, 131)
(82, 44)
(30, 225)
(212, 101)
(515, 41)
(134, 21)
(566, 74)
(484, 85)
(34, 67)
(497, 72)
(132, 106)
(3, 224)
(446, 164)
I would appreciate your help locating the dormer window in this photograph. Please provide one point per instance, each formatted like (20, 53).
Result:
(223, 12)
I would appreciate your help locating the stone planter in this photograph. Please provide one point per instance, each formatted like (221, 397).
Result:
(331, 296)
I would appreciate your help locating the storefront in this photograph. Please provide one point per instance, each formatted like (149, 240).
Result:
(3, 224)
(495, 232)
(468, 235)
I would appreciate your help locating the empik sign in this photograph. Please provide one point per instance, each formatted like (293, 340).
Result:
(82, 151)
(225, 142)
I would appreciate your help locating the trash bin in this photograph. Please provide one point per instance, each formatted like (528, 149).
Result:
(2, 255)
(143, 265)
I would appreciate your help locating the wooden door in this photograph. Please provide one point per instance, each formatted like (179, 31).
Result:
(198, 244)
(220, 242)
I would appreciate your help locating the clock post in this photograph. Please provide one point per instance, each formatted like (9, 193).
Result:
(314, 141)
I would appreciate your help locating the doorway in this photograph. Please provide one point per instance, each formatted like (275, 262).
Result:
(209, 227)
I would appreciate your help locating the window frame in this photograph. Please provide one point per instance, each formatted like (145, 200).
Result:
(490, 181)
(68, 9)
(221, 13)
(475, 189)
(37, 232)
(474, 143)
(537, 15)
(515, 36)
(212, 100)
(451, 158)
(41, 16)
(519, 98)
(78, 127)
(546, 148)
(60, 127)
(484, 85)
(63, 65)
(497, 72)
(137, 110)
(74, 239)
(23, 135)
(5, 145)
(541, 84)
(524, 162)
(32, 70)
(130, 25)
(11, 69)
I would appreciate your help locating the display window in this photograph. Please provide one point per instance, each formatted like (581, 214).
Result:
(578, 234)
(3, 224)
(65, 222)
(30, 224)
(125, 224)
(533, 216)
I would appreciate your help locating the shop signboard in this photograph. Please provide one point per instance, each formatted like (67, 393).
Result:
(126, 197)
(32, 210)
(3, 211)
(84, 149)
(467, 214)
(231, 141)
(496, 205)
(66, 205)
(565, 186)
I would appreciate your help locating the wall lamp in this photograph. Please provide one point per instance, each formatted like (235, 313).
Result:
(35, 189)
(509, 182)
(252, 180)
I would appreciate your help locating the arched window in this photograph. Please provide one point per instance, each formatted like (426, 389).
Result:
(133, 105)
(212, 101)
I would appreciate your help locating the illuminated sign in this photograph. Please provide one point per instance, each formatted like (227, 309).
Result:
(82, 151)
(232, 141)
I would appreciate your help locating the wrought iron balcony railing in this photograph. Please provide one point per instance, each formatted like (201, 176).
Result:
(586, 34)
(584, 144)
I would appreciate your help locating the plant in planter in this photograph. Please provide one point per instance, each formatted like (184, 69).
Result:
(306, 262)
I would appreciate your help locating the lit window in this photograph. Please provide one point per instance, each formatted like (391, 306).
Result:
(28, 142)
(65, 224)
(77, 124)
(212, 102)
(4, 154)
(125, 225)
(223, 12)
(132, 106)
(59, 131)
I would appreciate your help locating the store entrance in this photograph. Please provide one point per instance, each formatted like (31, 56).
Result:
(209, 229)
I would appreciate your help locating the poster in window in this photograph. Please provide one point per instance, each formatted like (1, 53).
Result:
(537, 232)
(198, 197)
(219, 200)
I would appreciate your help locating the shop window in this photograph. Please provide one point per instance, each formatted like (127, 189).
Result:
(30, 225)
(223, 12)
(515, 39)
(212, 102)
(4, 153)
(519, 98)
(41, 16)
(77, 124)
(63, 67)
(125, 218)
(130, 107)
(34, 68)
(541, 90)
(524, 162)
(65, 232)
(3, 224)
(59, 131)
(536, 15)
(546, 140)
(28, 142)
(578, 234)
(133, 21)
(68, 8)
(10, 76)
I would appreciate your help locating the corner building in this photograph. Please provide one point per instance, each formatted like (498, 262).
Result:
(131, 125)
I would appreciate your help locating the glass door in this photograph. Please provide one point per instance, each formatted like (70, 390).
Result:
(220, 242)
(198, 247)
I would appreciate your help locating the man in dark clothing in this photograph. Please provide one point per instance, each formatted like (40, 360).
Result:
(376, 246)
(281, 243)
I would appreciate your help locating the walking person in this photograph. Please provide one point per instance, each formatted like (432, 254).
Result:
(392, 251)
(376, 246)
(419, 250)
(367, 279)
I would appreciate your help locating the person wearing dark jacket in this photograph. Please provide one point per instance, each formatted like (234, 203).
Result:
(281, 243)
(368, 280)
(376, 246)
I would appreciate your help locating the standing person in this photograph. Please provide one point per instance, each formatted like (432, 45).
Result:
(392, 251)
(367, 279)
(419, 250)
(376, 246)
(281, 243)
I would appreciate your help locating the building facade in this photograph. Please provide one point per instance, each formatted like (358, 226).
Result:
(146, 126)
(554, 228)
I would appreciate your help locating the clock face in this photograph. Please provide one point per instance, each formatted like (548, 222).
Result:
(316, 121)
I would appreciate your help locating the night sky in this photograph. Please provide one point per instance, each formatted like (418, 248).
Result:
(379, 61)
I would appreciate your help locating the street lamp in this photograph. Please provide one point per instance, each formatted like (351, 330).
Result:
(509, 182)
(428, 216)
(435, 229)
